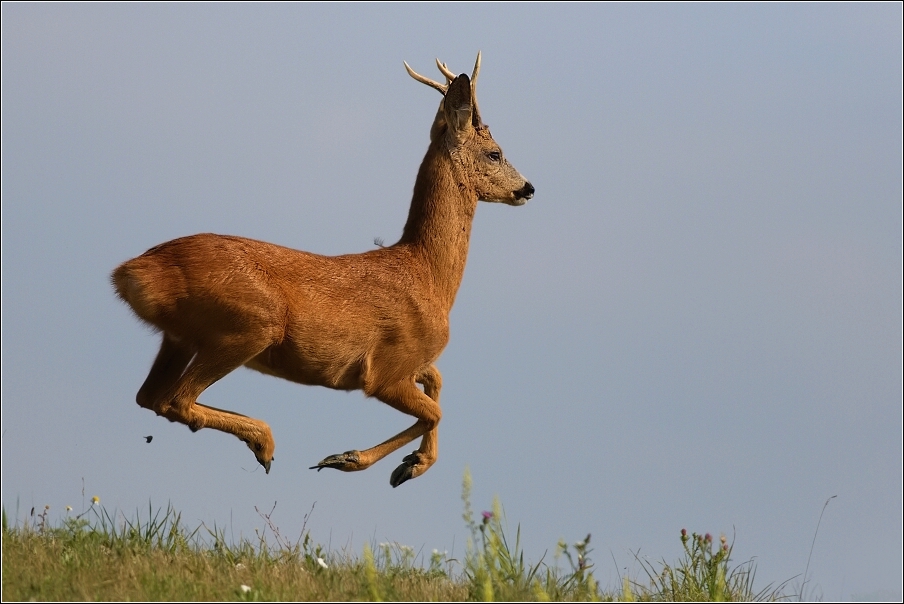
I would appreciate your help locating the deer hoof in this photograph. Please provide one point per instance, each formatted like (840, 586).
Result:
(406, 470)
(263, 451)
(347, 462)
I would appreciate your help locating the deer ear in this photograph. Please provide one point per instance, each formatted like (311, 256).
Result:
(457, 105)
(439, 122)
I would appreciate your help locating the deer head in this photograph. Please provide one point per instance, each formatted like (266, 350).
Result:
(458, 128)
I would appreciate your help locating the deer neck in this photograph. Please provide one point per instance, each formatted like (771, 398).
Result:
(439, 221)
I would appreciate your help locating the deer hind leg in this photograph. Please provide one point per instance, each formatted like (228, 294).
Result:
(173, 392)
(407, 398)
(168, 367)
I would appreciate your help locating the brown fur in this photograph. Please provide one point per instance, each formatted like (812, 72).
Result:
(375, 321)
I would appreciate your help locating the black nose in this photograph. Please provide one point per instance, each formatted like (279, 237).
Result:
(525, 192)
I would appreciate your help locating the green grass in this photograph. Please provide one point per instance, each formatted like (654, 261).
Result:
(94, 556)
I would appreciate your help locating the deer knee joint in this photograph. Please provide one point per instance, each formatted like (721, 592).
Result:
(432, 417)
(195, 422)
(432, 382)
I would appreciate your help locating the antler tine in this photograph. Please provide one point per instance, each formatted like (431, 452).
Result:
(475, 111)
(427, 81)
(446, 72)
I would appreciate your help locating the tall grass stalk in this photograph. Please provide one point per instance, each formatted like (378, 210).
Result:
(812, 545)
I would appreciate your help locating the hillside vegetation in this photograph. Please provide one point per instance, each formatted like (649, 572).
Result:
(98, 556)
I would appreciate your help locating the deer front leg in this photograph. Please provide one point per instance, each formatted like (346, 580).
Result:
(419, 461)
(407, 398)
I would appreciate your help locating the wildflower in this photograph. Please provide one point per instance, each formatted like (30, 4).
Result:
(46, 507)
(486, 517)
(95, 500)
(239, 566)
(68, 508)
(245, 589)
(723, 539)
(708, 538)
(322, 563)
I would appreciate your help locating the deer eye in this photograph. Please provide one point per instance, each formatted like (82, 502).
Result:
(494, 155)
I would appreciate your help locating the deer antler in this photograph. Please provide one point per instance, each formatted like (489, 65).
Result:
(449, 75)
(446, 71)
(428, 81)
(475, 114)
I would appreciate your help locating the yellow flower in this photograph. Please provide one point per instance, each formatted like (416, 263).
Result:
(95, 500)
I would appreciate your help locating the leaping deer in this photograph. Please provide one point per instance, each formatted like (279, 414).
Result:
(375, 321)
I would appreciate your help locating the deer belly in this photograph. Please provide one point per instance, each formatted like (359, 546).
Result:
(311, 370)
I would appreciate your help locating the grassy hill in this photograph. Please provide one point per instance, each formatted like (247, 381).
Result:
(91, 557)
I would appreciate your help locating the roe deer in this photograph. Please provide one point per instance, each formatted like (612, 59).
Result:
(374, 321)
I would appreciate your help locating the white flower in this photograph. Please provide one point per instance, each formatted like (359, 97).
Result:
(239, 566)
(322, 563)
(245, 589)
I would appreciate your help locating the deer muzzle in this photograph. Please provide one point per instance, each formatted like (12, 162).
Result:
(523, 194)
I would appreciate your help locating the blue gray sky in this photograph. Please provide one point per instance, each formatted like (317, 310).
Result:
(695, 323)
